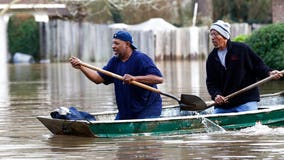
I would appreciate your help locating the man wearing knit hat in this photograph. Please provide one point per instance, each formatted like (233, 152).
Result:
(230, 67)
(132, 102)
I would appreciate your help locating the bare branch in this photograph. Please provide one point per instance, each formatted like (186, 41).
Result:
(8, 7)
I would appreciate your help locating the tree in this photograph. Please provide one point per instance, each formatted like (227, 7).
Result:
(251, 11)
(178, 12)
(23, 35)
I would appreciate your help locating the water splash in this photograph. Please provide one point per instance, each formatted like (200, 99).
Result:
(260, 129)
(211, 126)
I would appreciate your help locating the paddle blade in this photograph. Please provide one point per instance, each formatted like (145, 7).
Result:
(192, 103)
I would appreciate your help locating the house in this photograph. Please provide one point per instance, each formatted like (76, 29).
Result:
(42, 10)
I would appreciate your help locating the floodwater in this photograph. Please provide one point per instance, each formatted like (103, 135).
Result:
(27, 91)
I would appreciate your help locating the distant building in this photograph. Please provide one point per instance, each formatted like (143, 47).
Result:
(42, 10)
(277, 11)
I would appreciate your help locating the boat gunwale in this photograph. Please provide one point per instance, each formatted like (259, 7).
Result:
(264, 109)
(281, 93)
(279, 107)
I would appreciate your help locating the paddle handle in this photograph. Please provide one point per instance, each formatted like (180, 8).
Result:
(248, 87)
(138, 84)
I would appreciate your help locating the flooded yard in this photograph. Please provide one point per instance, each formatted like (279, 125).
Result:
(28, 91)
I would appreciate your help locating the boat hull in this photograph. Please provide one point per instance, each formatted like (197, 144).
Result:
(173, 121)
(232, 121)
(66, 127)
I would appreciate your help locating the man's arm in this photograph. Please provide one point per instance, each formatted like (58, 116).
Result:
(90, 74)
(148, 79)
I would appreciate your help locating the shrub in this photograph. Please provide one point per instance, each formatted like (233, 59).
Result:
(241, 38)
(268, 43)
(23, 35)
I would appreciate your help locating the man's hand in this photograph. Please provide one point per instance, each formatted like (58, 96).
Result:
(127, 78)
(75, 62)
(220, 100)
(276, 74)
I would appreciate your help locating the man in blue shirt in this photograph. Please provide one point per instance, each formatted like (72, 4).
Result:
(133, 102)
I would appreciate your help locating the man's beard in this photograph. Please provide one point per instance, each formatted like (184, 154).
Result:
(117, 55)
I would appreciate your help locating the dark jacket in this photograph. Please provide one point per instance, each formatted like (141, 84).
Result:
(243, 68)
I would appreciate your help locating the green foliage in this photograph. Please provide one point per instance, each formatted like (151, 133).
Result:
(23, 35)
(259, 11)
(268, 42)
(251, 11)
(241, 38)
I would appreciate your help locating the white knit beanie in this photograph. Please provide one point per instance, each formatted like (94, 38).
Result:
(222, 27)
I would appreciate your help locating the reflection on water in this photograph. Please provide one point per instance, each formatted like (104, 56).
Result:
(183, 77)
(4, 90)
(31, 90)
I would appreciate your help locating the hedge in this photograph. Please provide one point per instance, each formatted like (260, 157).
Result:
(23, 35)
(268, 43)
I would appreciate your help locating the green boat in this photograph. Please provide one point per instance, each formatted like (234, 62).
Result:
(173, 121)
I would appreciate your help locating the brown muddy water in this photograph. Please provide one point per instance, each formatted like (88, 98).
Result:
(27, 91)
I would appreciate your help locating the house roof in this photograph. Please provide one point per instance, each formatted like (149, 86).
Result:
(49, 7)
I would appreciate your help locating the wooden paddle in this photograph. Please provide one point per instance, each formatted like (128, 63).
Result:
(183, 102)
(195, 103)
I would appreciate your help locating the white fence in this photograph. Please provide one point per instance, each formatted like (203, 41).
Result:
(92, 42)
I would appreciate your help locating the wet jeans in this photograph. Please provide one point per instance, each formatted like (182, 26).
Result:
(249, 106)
